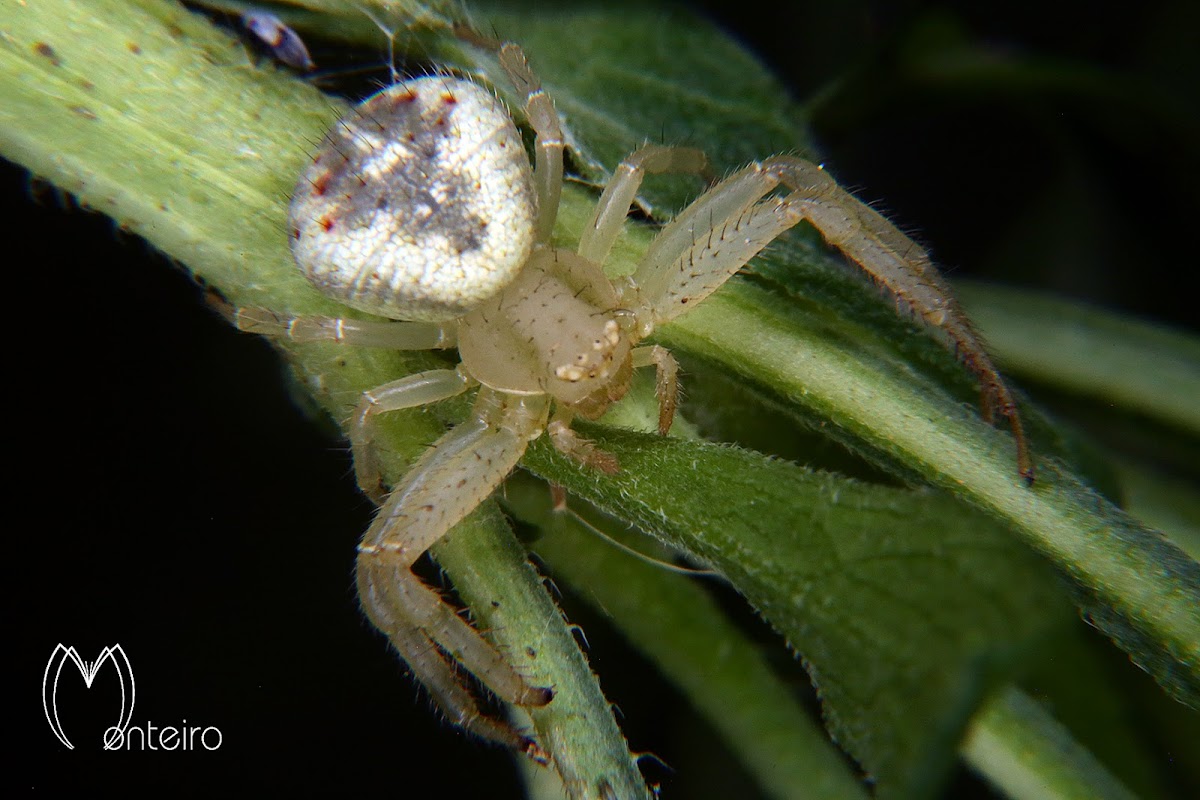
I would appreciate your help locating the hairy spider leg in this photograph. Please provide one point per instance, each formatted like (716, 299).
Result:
(732, 222)
(606, 223)
(305, 328)
(454, 476)
(549, 144)
(905, 269)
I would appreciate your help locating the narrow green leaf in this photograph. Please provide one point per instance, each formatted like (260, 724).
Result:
(1021, 749)
(1125, 362)
(679, 626)
(1138, 587)
(905, 606)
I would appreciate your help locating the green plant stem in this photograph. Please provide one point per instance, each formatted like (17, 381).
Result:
(492, 573)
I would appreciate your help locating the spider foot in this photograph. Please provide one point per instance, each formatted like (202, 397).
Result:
(434, 641)
(585, 451)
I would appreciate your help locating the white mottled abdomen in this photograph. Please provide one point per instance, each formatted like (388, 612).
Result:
(419, 204)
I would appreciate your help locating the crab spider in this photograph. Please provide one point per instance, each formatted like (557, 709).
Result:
(421, 206)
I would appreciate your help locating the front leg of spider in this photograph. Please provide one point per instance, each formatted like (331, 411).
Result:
(903, 267)
(732, 222)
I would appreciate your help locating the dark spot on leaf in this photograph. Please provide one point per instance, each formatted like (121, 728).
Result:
(46, 51)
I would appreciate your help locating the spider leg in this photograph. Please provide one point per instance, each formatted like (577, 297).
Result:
(432, 671)
(354, 332)
(539, 109)
(407, 392)
(583, 450)
(612, 208)
(733, 221)
(666, 386)
(705, 245)
(904, 268)
(866, 237)
(447, 483)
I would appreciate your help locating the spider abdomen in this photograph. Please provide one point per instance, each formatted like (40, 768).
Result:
(418, 206)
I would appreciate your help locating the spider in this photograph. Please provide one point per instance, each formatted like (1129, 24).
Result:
(421, 206)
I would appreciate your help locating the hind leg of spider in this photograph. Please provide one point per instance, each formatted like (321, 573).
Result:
(447, 483)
